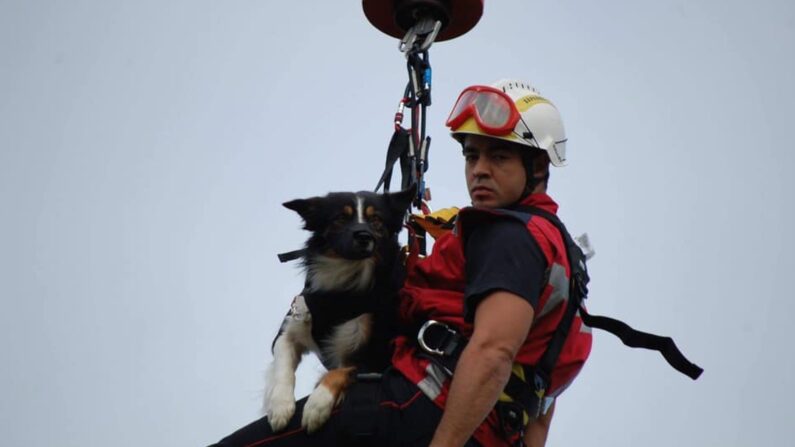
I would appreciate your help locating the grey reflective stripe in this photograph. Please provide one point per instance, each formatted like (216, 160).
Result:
(431, 385)
(560, 288)
(546, 403)
(584, 328)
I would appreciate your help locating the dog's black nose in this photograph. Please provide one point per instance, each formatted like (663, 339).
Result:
(363, 237)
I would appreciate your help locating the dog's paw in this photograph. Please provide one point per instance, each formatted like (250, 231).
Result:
(318, 408)
(281, 407)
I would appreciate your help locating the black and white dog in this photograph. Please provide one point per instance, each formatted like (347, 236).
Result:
(345, 313)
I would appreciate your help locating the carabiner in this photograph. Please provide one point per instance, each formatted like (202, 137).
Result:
(424, 27)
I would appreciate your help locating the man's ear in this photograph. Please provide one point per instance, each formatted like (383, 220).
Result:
(541, 164)
(308, 209)
(399, 202)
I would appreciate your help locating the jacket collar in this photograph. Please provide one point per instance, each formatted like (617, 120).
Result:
(540, 200)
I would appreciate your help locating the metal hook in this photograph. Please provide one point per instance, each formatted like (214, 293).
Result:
(424, 27)
(430, 38)
(407, 41)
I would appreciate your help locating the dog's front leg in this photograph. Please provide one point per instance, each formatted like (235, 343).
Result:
(325, 396)
(280, 391)
(348, 339)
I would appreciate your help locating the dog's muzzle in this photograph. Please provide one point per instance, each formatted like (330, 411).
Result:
(358, 243)
(364, 240)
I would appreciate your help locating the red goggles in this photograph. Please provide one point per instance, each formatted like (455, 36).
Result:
(493, 110)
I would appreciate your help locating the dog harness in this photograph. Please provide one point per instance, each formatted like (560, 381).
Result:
(329, 309)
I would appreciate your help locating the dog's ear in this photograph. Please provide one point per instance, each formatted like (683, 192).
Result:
(308, 209)
(399, 202)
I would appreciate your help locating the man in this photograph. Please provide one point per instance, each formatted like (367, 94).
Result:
(498, 284)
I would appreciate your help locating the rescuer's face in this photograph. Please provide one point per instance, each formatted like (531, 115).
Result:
(494, 171)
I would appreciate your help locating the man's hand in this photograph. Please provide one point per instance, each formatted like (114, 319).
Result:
(502, 321)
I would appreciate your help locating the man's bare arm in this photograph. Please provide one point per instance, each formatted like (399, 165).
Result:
(502, 321)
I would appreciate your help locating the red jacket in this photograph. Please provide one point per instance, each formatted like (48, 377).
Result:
(434, 289)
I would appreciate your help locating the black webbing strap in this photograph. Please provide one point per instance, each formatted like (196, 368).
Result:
(398, 150)
(291, 255)
(578, 292)
(637, 339)
(363, 402)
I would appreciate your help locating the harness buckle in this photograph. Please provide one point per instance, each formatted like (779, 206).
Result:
(511, 418)
(369, 377)
(442, 341)
(540, 386)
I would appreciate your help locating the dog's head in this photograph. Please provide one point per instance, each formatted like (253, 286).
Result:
(352, 226)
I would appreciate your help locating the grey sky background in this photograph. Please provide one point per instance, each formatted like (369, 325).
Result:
(146, 147)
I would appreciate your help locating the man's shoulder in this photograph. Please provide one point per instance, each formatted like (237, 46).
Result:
(491, 220)
(497, 231)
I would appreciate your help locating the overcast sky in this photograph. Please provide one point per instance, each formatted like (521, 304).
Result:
(146, 147)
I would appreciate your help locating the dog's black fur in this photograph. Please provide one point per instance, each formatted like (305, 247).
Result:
(341, 236)
(347, 310)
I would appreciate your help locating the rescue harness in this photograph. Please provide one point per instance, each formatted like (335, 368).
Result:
(528, 384)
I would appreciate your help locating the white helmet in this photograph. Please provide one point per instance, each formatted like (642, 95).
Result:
(513, 111)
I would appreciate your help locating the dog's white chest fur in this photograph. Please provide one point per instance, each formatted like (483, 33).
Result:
(328, 273)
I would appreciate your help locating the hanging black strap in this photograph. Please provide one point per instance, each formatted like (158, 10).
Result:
(637, 339)
(398, 150)
(578, 292)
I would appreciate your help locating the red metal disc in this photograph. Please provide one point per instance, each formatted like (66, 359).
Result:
(464, 15)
